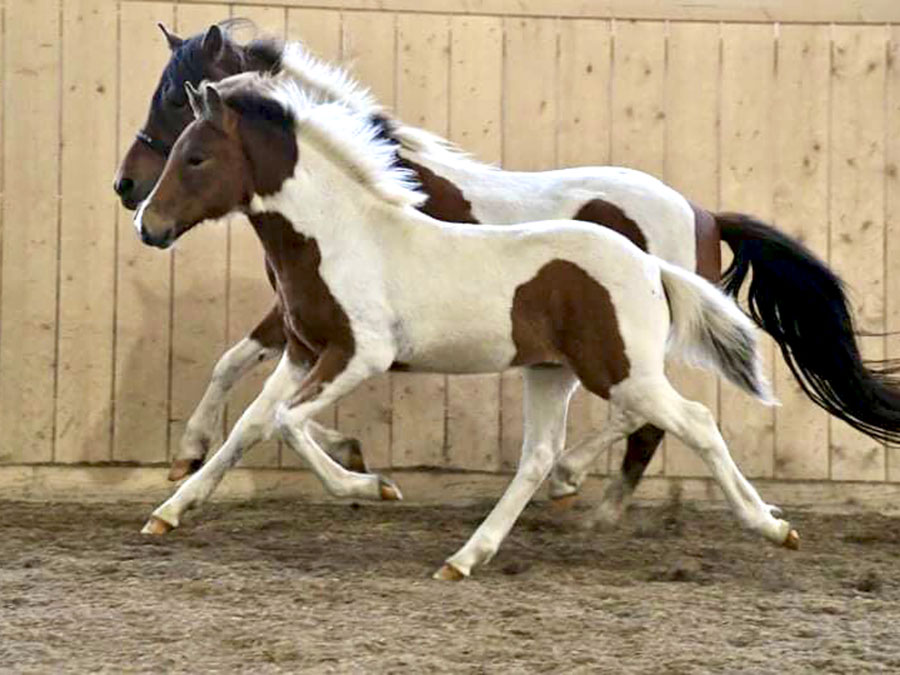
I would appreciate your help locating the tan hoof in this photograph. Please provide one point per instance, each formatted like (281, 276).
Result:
(448, 573)
(389, 490)
(156, 526)
(565, 502)
(792, 541)
(181, 468)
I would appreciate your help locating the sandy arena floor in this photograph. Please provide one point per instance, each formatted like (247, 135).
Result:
(291, 586)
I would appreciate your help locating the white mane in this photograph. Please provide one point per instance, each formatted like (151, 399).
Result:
(327, 82)
(334, 84)
(349, 137)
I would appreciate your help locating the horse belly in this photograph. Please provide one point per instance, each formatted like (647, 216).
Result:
(453, 350)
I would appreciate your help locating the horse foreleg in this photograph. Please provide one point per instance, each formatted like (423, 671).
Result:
(254, 425)
(546, 401)
(265, 342)
(334, 375)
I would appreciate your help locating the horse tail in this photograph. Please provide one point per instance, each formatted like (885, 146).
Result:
(803, 305)
(708, 329)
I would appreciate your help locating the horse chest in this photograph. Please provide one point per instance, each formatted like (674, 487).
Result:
(312, 315)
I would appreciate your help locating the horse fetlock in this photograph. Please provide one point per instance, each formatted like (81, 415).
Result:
(608, 513)
(774, 529)
(160, 522)
(184, 467)
(360, 486)
(197, 439)
(563, 483)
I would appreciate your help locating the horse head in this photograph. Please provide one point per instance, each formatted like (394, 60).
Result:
(210, 55)
(237, 147)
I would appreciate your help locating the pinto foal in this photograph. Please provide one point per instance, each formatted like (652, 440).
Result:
(794, 297)
(367, 282)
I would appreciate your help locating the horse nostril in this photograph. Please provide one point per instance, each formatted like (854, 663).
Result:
(123, 187)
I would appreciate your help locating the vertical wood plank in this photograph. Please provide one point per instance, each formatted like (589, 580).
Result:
(692, 167)
(143, 274)
(746, 185)
(31, 172)
(801, 210)
(857, 213)
(892, 221)
(638, 123)
(320, 31)
(583, 139)
(423, 69)
(250, 296)
(369, 44)
(200, 278)
(88, 232)
(529, 144)
(370, 48)
(476, 76)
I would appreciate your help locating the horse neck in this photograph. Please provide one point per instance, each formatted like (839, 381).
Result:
(325, 202)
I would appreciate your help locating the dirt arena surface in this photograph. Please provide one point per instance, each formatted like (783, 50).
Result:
(292, 586)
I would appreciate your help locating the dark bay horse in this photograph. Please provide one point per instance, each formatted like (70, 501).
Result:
(793, 295)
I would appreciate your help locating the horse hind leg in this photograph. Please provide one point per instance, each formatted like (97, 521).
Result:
(575, 463)
(694, 424)
(639, 450)
(547, 393)
(572, 469)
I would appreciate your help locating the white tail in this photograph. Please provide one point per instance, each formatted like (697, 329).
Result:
(708, 329)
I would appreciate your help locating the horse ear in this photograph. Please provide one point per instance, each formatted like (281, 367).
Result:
(215, 110)
(174, 41)
(195, 98)
(213, 41)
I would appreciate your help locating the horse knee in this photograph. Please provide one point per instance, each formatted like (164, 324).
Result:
(537, 463)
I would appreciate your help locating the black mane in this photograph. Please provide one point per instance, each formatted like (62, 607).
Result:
(256, 107)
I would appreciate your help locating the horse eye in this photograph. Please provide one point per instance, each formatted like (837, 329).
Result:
(194, 160)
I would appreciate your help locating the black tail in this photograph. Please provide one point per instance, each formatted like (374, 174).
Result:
(796, 299)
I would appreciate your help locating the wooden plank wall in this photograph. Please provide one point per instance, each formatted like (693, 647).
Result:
(106, 345)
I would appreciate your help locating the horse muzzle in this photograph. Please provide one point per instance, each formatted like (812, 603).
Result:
(154, 229)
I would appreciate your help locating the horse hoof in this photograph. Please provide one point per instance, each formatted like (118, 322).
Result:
(156, 526)
(181, 468)
(389, 490)
(792, 541)
(448, 573)
(565, 502)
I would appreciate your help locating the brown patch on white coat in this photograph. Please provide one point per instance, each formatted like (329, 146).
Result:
(564, 316)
